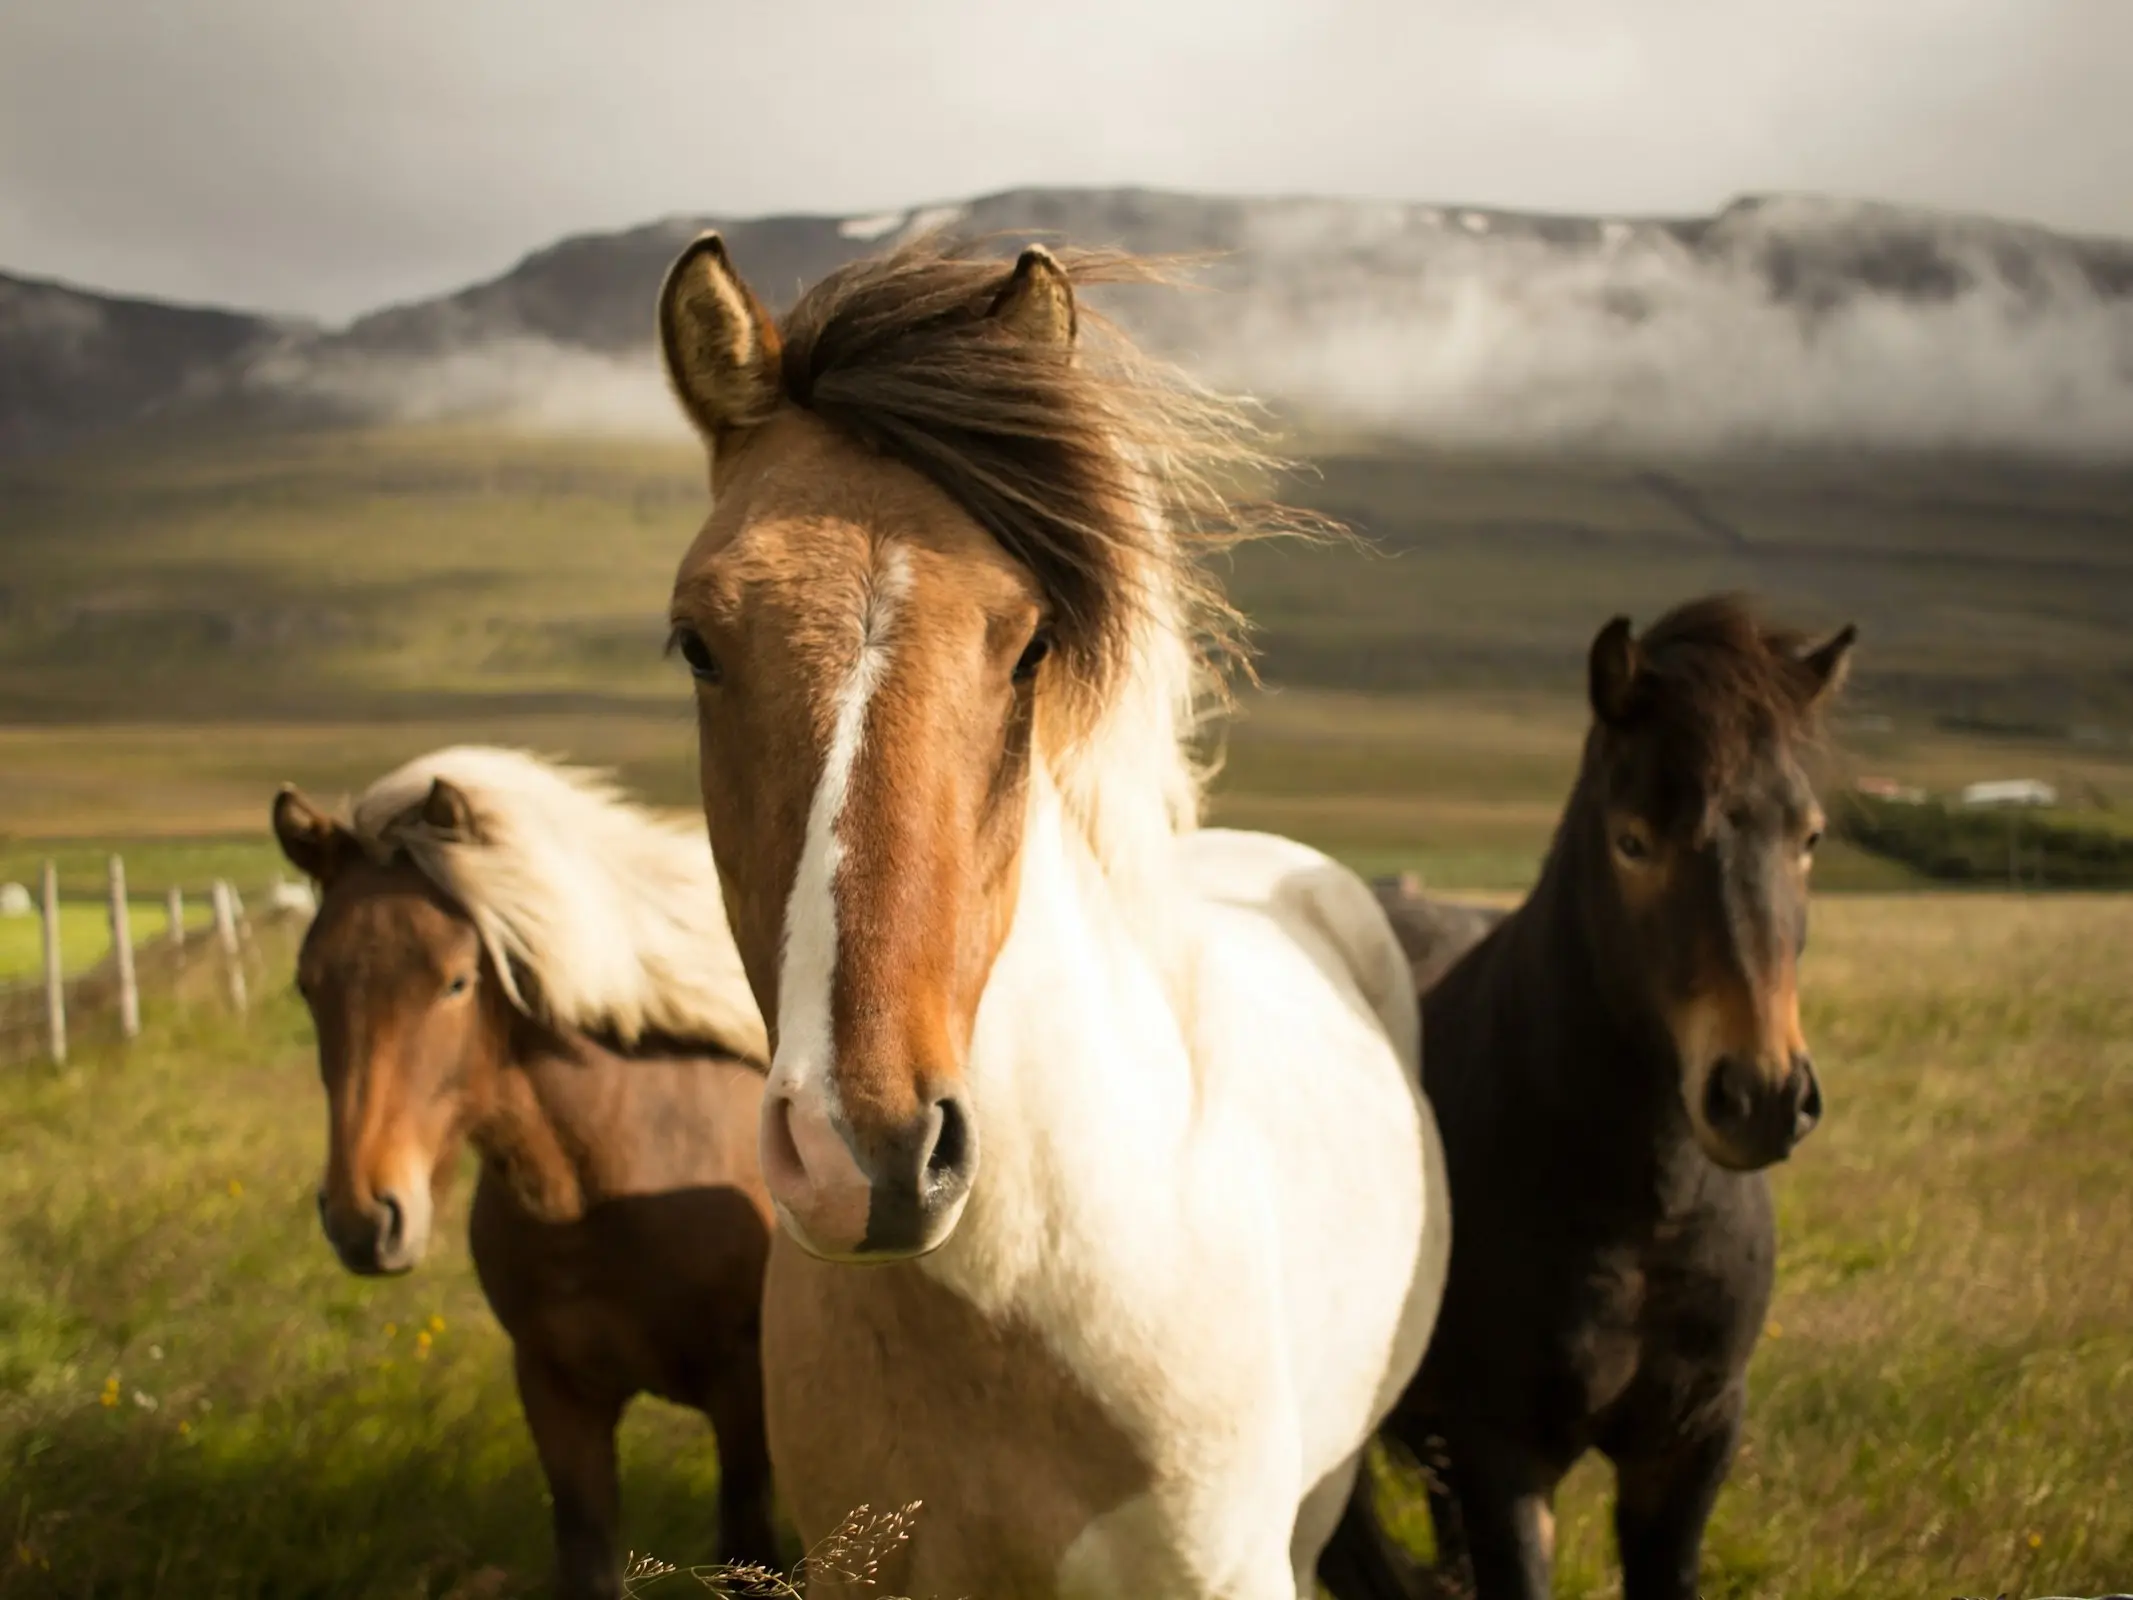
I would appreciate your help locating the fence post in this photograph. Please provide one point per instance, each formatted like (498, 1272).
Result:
(129, 991)
(55, 972)
(174, 914)
(226, 937)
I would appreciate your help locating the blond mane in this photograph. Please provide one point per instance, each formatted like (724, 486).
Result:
(611, 914)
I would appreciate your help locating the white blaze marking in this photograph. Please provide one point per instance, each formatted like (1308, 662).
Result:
(808, 963)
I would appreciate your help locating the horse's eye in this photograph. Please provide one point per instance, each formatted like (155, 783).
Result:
(703, 665)
(1632, 846)
(1033, 653)
(458, 986)
(1811, 842)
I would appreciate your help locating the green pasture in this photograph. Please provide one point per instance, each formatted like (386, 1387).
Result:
(196, 1401)
(84, 935)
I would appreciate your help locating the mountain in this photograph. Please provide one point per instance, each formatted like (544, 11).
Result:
(1779, 321)
(74, 363)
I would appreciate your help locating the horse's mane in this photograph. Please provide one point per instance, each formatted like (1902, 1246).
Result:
(1717, 687)
(1109, 476)
(611, 915)
(1717, 663)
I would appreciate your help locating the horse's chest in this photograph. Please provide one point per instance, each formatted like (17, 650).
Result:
(1603, 1339)
(1666, 1331)
(1633, 1340)
(883, 1388)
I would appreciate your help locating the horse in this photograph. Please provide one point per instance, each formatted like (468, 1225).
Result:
(1433, 932)
(1111, 1216)
(508, 954)
(1614, 1067)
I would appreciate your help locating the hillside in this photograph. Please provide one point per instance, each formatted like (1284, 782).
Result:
(74, 364)
(1783, 320)
(367, 572)
(294, 553)
(1780, 321)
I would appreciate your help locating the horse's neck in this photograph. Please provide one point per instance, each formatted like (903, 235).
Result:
(570, 1115)
(1589, 1052)
(1079, 1066)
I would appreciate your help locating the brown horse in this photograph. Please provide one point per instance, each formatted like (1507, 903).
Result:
(1612, 1068)
(506, 954)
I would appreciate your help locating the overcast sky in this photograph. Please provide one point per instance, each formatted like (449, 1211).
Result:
(325, 156)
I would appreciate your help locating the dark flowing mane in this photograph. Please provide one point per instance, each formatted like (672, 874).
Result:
(1110, 476)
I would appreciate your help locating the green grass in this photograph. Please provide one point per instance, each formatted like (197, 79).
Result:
(196, 1401)
(84, 935)
(191, 621)
(1943, 1402)
(153, 865)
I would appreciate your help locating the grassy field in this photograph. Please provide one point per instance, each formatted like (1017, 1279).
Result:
(195, 1401)
(84, 935)
(340, 577)
(189, 620)
(1463, 784)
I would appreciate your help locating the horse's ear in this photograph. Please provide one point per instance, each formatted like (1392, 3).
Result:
(1611, 672)
(315, 844)
(1830, 662)
(721, 347)
(1037, 301)
(446, 810)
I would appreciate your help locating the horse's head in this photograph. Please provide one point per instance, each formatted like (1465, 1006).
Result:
(1703, 822)
(930, 561)
(408, 1031)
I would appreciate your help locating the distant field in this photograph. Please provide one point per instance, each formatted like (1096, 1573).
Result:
(196, 1401)
(84, 935)
(417, 572)
(188, 621)
(1462, 785)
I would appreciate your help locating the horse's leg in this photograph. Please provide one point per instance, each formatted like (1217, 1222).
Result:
(1453, 1567)
(1662, 1502)
(1360, 1561)
(1504, 1512)
(746, 1534)
(574, 1434)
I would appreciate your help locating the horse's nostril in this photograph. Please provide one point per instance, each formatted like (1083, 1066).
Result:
(1726, 1100)
(951, 1143)
(1808, 1110)
(392, 1221)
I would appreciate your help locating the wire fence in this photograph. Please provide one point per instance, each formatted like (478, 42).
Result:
(173, 966)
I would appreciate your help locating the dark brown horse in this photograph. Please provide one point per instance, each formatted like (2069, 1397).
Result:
(620, 1227)
(1612, 1067)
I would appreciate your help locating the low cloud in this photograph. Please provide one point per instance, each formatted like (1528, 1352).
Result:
(1784, 324)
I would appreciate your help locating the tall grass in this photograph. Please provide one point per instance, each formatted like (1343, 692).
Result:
(196, 1401)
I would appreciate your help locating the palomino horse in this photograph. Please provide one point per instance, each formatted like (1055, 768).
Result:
(1613, 1067)
(1125, 1116)
(508, 954)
